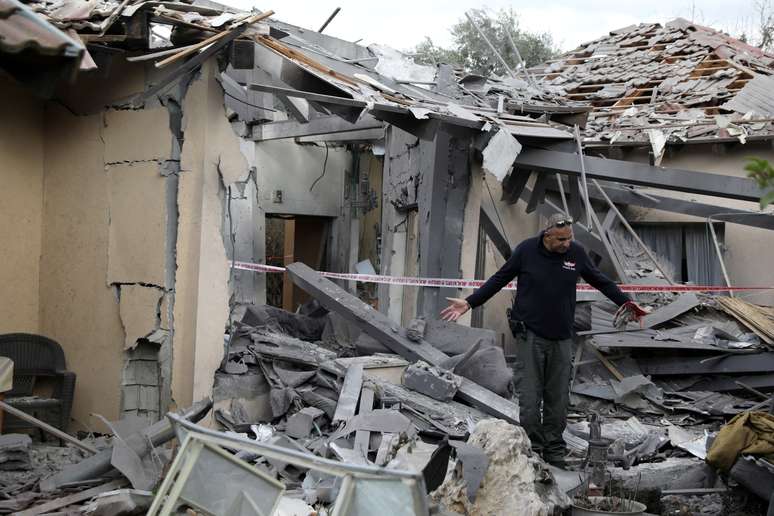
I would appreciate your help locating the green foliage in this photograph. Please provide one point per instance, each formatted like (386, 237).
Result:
(763, 173)
(471, 52)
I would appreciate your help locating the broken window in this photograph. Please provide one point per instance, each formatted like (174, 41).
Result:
(687, 248)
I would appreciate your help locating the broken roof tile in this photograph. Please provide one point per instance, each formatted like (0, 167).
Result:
(664, 71)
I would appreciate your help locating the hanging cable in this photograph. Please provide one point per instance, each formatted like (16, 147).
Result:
(325, 164)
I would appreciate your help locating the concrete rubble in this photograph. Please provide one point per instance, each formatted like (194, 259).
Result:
(338, 409)
(515, 477)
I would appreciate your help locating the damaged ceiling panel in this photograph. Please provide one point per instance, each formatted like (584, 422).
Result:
(665, 84)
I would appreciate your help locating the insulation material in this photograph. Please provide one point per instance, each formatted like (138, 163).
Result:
(515, 477)
(137, 224)
(139, 312)
(657, 142)
(395, 64)
(500, 154)
(124, 142)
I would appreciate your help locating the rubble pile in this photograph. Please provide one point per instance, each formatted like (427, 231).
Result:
(298, 410)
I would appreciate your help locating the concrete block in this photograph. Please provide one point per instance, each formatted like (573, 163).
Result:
(141, 372)
(140, 397)
(416, 330)
(437, 383)
(300, 424)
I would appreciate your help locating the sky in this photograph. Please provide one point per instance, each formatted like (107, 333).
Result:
(402, 24)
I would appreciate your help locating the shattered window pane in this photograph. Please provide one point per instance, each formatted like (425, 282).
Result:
(216, 482)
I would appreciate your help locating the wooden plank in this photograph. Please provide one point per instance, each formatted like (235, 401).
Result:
(576, 203)
(640, 174)
(607, 363)
(514, 185)
(538, 192)
(380, 327)
(759, 319)
(724, 364)
(73, 498)
(363, 437)
(350, 392)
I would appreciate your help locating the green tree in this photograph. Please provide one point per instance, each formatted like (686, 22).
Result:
(470, 51)
(763, 173)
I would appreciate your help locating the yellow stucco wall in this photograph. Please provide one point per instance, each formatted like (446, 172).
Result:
(78, 308)
(21, 205)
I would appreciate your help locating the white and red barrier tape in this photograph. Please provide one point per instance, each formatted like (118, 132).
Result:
(472, 284)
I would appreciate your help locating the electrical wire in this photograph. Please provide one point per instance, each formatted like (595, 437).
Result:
(325, 163)
(247, 103)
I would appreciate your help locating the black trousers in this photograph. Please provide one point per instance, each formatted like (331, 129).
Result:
(543, 386)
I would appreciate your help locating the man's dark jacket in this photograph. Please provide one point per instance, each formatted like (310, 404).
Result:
(545, 297)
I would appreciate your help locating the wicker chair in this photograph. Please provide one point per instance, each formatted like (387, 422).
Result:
(37, 357)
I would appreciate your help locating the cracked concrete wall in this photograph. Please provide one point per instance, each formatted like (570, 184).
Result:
(211, 162)
(133, 268)
(21, 208)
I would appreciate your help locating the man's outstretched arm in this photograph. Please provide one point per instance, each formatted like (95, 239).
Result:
(457, 307)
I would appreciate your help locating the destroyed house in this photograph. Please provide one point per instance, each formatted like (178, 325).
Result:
(147, 171)
(162, 162)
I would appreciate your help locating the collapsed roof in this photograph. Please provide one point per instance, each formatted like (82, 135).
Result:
(657, 84)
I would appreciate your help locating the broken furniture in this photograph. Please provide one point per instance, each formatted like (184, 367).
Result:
(38, 359)
(364, 489)
(136, 445)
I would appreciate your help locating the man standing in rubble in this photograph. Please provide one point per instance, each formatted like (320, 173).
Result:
(547, 268)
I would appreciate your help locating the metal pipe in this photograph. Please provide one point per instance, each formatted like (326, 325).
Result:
(45, 426)
(561, 192)
(720, 255)
(491, 46)
(530, 79)
(583, 175)
(330, 19)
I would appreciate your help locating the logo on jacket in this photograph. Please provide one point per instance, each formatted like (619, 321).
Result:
(570, 266)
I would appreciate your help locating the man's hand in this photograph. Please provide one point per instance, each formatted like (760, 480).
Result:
(629, 311)
(457, 307)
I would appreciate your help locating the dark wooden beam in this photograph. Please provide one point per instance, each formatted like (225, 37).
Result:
(489, 222)
(441, 197)
(628, 196)
(381, 328)
(640, 174)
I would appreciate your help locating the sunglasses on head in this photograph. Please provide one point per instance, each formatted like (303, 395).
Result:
(561, 223)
